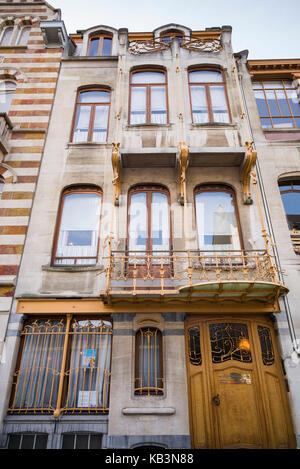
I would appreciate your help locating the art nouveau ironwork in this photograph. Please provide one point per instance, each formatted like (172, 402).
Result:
(229, 341)
(266, 344)
(149, 378)
(194, 346)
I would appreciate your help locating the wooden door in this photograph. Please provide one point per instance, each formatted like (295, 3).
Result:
(236, 387)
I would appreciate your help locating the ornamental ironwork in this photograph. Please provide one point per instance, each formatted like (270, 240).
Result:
(202, 44)
(194, 346)
(230, 341)
(147, 46)
(266, 344)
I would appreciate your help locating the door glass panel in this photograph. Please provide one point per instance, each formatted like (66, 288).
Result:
(138, 222)
(230, 341)
(194, 346)
(266, 344)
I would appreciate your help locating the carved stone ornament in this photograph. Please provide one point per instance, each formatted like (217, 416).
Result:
(203, 45)
(182, 167)
(247, 169)
(147, 46)
(115, 160)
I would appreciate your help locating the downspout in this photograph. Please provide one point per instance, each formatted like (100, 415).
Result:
(296, 348)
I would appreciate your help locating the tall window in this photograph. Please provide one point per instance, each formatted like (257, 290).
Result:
(148, 101)
(86, 342)
(290, 195)
(149, 220)
(77, 235)
(91, 116)
(23, 36)
(100, 45)
(208, 96)
(217, 220)
(7, 89)
(149, 367)
(6, 36)
(278, 103)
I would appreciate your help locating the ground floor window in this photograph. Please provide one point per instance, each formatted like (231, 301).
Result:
(81, 441)
(27, 441)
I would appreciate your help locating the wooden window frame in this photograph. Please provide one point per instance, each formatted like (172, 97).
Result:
(148, 189)
(148, 94)
(101, 38)
(206, 86)
(80, 189)
(92, 115)
(146, 390)
(270, 117)
(219, 188)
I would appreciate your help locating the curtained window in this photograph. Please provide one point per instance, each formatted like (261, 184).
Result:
(149, 368)
(208, 97)
(216, 218)
(86, 343)
(100, 45)
(77, 238)
(148, 101)
(278, 103)
(7, 89)
(91, 116)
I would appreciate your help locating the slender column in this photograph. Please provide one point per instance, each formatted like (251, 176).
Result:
(57, 411)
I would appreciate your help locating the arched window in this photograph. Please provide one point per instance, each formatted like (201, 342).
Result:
(290, 195)
(100, 45)
(7, 89)
(23, 36)
(148, 362)
(77, 233)
(208, 97)
(148, 97)
(6, 36)
(91, 116)
(149, 219)
(217, 219)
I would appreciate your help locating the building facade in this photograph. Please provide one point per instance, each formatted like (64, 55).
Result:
(153, 307)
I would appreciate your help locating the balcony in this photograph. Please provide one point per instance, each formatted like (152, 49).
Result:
(214, 277)
(5, 133)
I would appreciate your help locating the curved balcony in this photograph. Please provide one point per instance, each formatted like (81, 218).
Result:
(214, 277)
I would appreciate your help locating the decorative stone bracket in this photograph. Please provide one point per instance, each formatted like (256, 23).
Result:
(116, 164)
(247, 169)
(183, 163)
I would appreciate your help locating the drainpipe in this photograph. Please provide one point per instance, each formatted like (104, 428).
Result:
(295, 355)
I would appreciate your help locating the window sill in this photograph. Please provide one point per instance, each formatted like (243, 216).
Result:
(282, 130)
(214, 125)
(88, 145)
(148, 411)
(150, 126)
(73, 268)
(90, 59)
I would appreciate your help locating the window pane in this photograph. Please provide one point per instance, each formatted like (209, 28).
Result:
(138, 219)
(6, 36)
(219, 105)
(106, 48)
(82, 442)
(294, 101)
(261, 103)
(68, 442)
(283, 123)
(7, 89)
(138, 105)
(283, 104)
(160, 233)
(94, 96)
(82, 124)
(100, 124)
(158, 105)
(27, 442)
(257, 85)
(24, 35)
(148, 77)
(291, 203)
(149, 372)
(199, 106)
(273, 84)
(94, 47)
(216, 221)
(274, 110)
(95, 442)
(79, 227)
(205, 76)
(266, 123)
(41, 441)
(14, 442)
(297, 121)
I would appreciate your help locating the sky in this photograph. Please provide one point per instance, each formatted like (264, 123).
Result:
(269, 29)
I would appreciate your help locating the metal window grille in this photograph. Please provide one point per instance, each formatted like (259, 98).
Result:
(149, 370)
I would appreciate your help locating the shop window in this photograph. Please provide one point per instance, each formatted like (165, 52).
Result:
(149, 365)
(208, 96)
(278, 104)
(77, 233)
(148, 97)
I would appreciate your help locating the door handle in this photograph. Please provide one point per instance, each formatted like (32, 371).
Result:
(216, 400)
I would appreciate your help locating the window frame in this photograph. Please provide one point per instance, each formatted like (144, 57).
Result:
(92, 115)
(200, 188)
(79, 189)
(8, 91)
(148, 94)
(101, 37)
(149, 189)
(20, 35)
(270, 116)
(206, 86)
(22, 434)
(76, 434)
(149, 390)
(3, 32)
(290, 182)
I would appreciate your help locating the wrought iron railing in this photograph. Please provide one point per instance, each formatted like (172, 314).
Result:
(166, 272)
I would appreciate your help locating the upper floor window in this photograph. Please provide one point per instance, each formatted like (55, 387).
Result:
(148, 362)
(217, 219)
(23, 36)
(208, 96)
(100, 45)
(6, 36)
(170, 35)
(7, 89)
(77, 233)
(278, 103)
(290, 195)
(91, 116)
(148, 99)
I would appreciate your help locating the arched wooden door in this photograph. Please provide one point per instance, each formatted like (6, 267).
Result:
(237, 395)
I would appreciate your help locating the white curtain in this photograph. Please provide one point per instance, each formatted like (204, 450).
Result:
(199, 106)
(138, 105)
(138, 222)
(219, 104)
(160, 229)
(100, 124)
(82, 124)
(158, 105)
